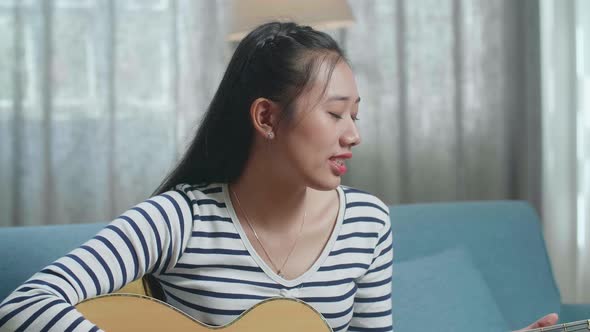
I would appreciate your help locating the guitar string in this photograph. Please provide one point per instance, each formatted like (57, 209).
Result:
(547, 329)
(584, 326)
(565, 329)
(561, 327)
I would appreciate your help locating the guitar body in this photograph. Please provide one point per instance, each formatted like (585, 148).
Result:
(129, 312)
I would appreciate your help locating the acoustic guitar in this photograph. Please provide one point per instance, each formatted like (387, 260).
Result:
(131, 312)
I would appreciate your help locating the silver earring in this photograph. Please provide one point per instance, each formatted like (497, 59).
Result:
(270, 135)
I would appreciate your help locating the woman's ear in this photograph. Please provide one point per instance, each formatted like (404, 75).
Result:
(264, 114)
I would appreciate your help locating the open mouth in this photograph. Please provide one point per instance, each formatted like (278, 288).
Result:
(338, 166)
(338, 161)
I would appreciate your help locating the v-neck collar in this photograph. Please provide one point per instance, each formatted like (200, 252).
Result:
(262, 264)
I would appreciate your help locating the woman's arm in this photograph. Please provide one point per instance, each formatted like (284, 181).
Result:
(372, 303)
(148, 238)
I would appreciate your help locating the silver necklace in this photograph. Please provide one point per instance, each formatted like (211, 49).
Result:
(279, 270)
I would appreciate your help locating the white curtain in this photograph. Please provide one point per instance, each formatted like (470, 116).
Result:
(99, 97)
(450, 109)
(565, 71)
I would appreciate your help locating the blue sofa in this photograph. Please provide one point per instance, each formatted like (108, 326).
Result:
(477, 266)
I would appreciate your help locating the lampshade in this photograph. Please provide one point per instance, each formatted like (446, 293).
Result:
(320, 14)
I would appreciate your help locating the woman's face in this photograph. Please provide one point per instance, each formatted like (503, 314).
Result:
(318, 140)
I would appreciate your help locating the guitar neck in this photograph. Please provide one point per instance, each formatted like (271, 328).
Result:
(581, 325)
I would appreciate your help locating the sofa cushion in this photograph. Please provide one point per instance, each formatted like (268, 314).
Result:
(443, 292)
(503, 238)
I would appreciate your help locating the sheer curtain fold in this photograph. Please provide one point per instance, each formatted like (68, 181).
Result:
(565, 36)
(444, 99)
(97, 99)
(102, 96)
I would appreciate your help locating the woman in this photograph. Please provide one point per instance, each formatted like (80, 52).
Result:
(254, 209)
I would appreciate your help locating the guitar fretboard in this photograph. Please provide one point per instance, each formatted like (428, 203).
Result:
(582, 325)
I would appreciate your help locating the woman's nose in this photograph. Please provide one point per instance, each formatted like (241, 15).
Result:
(352, 137)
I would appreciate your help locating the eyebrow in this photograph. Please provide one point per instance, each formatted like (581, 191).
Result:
(343, 98)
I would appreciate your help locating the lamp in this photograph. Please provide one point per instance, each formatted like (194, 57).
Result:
(319, 14)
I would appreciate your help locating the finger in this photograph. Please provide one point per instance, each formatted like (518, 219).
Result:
(547, 320)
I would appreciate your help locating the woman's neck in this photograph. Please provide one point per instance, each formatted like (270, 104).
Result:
(267, 197)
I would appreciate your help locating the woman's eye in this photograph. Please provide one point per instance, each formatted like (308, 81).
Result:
(338, 116)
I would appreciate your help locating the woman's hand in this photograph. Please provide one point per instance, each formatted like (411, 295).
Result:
(544, 321)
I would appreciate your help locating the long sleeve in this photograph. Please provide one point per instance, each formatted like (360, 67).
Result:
(148, 238)
(372, 303)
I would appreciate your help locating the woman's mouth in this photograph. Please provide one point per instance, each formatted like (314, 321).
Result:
(338, 166)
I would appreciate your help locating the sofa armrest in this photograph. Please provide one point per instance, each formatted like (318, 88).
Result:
(574, 312)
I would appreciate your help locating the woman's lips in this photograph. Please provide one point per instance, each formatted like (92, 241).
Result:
(338, 166)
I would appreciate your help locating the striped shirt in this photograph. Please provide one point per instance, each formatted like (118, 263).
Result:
(189, 239)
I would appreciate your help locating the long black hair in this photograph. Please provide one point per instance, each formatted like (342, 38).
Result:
(277, 60)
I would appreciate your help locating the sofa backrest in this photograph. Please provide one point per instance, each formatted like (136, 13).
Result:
(504, 241)
(26, 250)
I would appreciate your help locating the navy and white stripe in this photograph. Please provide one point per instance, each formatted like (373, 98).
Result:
(188, 240)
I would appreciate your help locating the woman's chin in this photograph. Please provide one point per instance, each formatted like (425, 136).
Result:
(326, 183)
